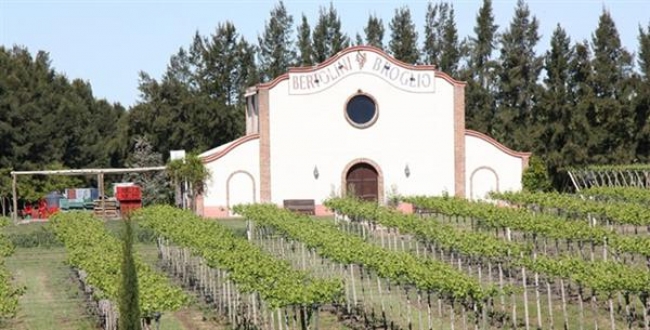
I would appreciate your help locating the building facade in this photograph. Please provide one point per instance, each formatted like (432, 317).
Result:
(360, 123)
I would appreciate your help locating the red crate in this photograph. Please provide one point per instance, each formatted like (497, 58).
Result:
(128, 193)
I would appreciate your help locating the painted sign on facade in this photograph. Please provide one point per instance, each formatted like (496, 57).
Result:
(362, 62)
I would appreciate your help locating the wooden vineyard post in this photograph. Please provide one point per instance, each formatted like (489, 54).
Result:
(550, 304)
(564, 312)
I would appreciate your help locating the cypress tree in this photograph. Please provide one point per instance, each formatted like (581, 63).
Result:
(304, 43)
(480, 72)
(276, 44)
(129, 318)
(403, 43)
(518, 88)
(327, 37)
(374, 31)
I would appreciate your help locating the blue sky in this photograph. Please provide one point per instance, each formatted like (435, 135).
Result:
(107, 42)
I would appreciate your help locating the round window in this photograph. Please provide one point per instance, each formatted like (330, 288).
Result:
(361, 111)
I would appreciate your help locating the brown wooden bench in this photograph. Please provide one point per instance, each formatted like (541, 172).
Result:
(304, 206)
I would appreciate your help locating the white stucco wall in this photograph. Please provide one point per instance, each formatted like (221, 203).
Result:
(308, 131)
(238, 165)
(482, 160)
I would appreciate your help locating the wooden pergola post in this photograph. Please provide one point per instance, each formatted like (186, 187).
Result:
(100, 188)
(14, 214)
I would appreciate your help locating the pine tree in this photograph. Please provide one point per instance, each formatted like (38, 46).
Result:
(276, 44)
(304, 43)
(198, 103)
(403, 43)
(129, 305)
(374, 31)
(441, 45)
(327, 37)
(480, 73)
(518, 87)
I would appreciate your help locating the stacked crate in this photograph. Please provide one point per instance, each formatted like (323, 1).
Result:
(130, 198)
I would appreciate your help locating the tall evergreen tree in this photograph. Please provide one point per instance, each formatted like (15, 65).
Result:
(276, 45)
(403, 43)
(480, 73)
(518, 86)
(563, 131)
(582, 96)
(441, 46)
(304, 43)
(374, 31)
(327, 37)
(642, 99)
(611, 84)
(49, 121)
(129, 305)
(358, 40)
(644, 52)
(198, 103)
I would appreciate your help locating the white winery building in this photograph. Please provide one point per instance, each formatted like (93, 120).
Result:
(361, 122)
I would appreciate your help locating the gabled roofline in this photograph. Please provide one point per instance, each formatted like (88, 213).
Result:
(234, 144)
(306, 69)
(490, 140)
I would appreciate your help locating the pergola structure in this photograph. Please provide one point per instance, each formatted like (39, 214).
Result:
(634, 175)
(91, 171)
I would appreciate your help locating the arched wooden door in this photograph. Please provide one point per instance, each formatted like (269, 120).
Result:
(362, 181)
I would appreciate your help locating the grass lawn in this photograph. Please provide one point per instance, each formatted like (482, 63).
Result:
(54, 301)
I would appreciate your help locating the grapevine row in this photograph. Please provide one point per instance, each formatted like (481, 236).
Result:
(325, 238)
(629, 194)
(8, 294)
(598, 275)
(92, 249)
(545, 225)
(251, 269)
(615, 211)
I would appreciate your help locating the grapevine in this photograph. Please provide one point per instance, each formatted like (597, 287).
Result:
(545, 225)
(614, 211)
(629, 194)
(401, 267)
(8, 295)
(92, 249)
(249, 267)
(598, 275)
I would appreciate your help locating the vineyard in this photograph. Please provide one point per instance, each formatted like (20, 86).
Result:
(530, 261)
(8, 293)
